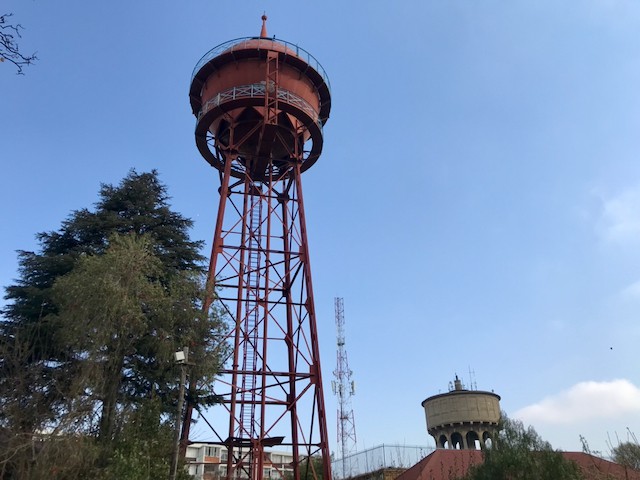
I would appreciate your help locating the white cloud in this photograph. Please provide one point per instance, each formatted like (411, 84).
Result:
(631, 291)
(620, 218)
(584, 402)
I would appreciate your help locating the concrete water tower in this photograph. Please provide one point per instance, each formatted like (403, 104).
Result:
(461, 418)
(260, 106)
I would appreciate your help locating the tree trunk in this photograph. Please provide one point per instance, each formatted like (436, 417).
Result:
(112, 382)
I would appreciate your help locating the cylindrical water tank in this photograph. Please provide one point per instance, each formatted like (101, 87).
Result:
(462, 418)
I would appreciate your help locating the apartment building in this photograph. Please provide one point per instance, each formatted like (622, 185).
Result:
(208, 461)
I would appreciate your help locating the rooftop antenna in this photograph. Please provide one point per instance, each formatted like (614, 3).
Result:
(472, 379)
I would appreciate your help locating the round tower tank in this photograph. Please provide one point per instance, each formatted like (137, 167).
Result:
(461, 417)
(257, 98)
(463, 406)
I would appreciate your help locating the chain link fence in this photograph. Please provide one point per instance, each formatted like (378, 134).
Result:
(376, 458)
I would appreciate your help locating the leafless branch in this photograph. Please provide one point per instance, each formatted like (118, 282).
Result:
(9, 48)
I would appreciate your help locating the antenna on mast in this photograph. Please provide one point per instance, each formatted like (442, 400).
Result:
(472, 379)
(344, 389)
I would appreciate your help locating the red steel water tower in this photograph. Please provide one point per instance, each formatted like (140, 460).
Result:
(260, 105)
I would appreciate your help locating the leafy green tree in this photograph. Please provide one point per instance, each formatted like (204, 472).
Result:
(87, 339)
(627, 454)
(139, 204)
(144, 448)
(311, 468)
(120, 317)
(520, 454)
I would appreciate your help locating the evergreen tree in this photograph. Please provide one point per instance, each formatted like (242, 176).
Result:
(139, 204)
(120, 320)
(88, 336)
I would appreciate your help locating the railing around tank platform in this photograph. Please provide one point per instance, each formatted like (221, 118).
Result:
(258, 90)
(239, 44)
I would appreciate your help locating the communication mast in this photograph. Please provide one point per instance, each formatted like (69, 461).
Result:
(344, 388)
(260, 105)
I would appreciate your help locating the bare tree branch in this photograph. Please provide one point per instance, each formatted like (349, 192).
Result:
(9, 48)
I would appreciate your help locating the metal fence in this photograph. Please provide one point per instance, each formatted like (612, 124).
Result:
(240, 43)
(259, 90)
(376, 458)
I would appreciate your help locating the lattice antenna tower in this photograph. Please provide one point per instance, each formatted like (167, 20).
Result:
(344, 389)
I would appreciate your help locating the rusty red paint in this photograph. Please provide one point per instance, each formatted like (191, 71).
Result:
(260, 110)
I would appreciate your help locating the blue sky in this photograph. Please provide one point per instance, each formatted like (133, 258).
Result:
(477, 203)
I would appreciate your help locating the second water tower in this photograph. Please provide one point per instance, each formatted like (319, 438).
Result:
(461, 418)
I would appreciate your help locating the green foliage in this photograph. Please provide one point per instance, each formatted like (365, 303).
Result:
(143, 450)
(120, 319)
(312, 468)
(520, 454)
(39, 457)
(627, 454)
(87, 339)
(137, 205)
(30, 340)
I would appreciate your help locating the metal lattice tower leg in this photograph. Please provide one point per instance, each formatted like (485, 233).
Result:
(271, 387)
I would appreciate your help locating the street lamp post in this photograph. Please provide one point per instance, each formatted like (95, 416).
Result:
(182, 359)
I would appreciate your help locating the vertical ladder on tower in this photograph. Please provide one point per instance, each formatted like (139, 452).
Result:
(269, 125)
(271, 89)
(252, 318)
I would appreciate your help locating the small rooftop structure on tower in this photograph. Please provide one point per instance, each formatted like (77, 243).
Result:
(461, 418)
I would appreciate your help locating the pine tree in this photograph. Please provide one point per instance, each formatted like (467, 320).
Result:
(88, 336)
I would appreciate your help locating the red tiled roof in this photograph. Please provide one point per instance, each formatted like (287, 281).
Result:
(445, 464)
(598, 468)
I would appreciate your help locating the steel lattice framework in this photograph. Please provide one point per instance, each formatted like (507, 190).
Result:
(344, 388)
(261, 137)
(263, 280)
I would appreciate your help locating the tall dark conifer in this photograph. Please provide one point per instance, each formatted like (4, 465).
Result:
(139, 204)
(42, 354)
